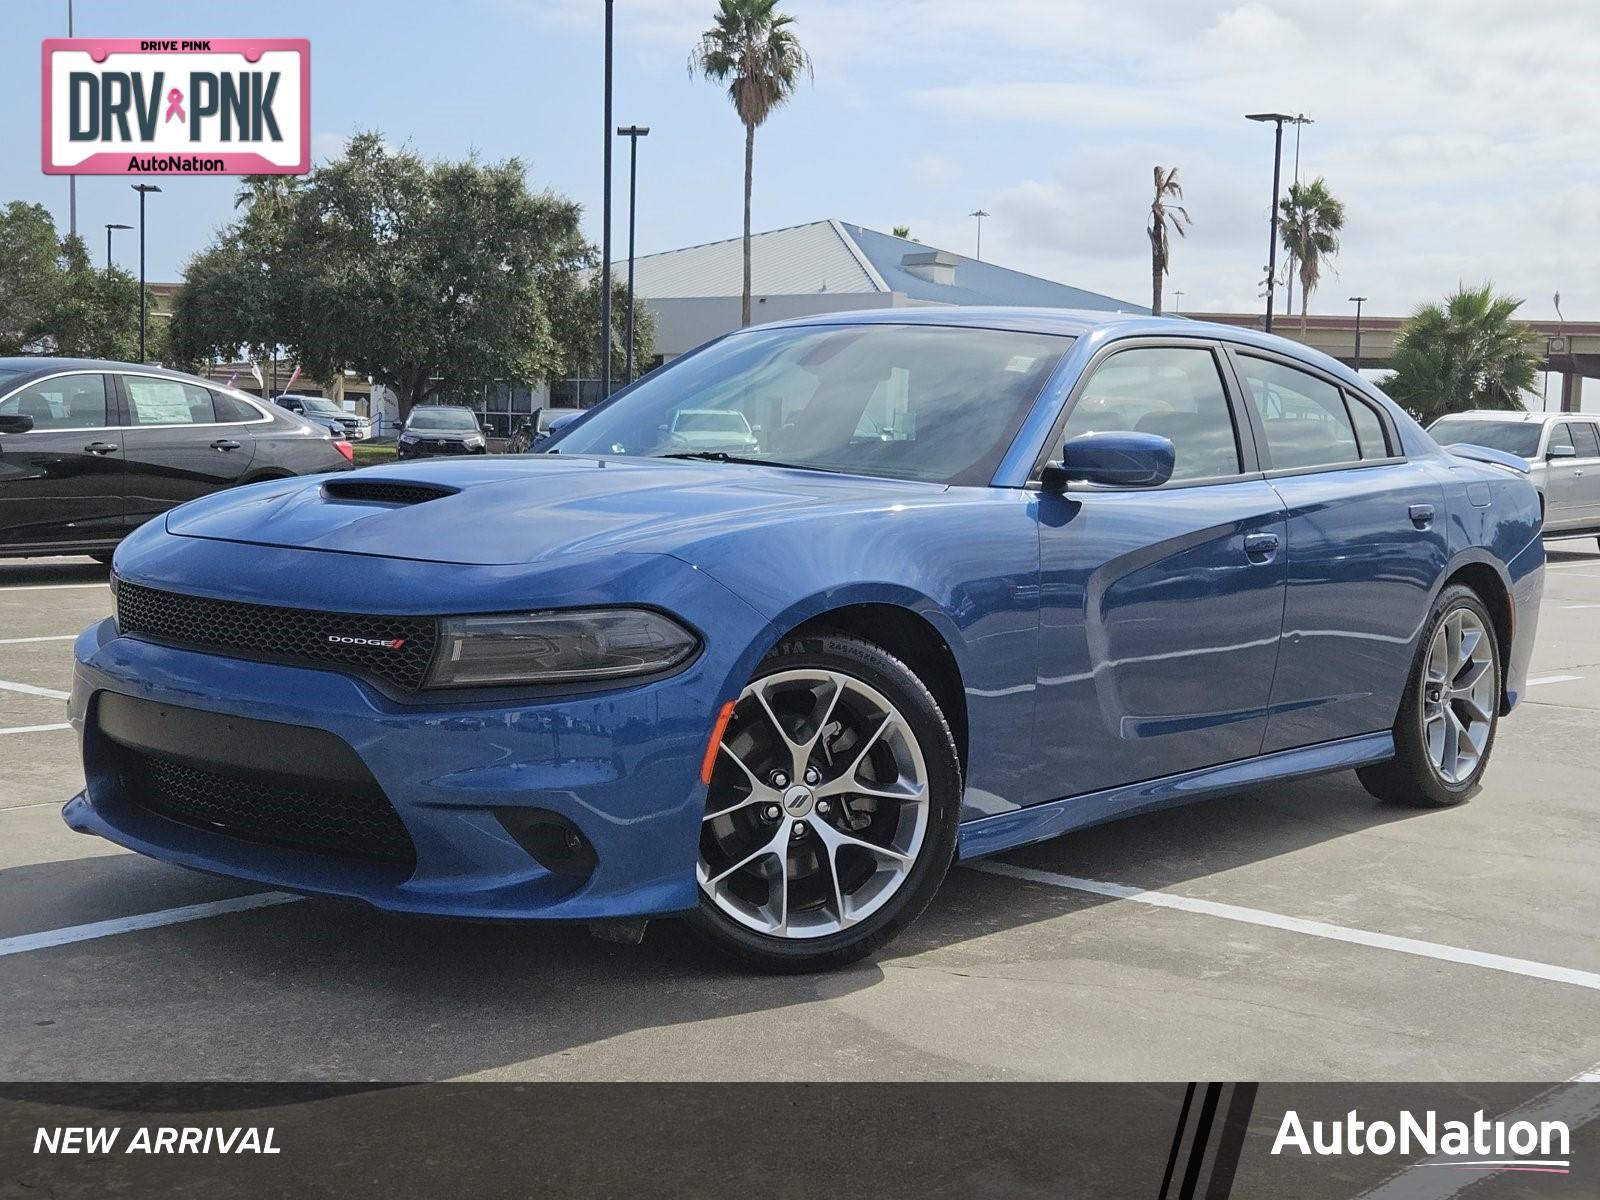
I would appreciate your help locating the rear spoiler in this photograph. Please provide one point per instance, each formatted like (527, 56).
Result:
(1483, 454)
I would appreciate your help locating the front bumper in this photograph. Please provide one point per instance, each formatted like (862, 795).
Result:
(437, 449)
(622, 766)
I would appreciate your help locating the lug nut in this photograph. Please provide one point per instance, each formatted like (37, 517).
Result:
(779, 779)
(813, 776)
(799, 829)
(824, 807)
(772, 812)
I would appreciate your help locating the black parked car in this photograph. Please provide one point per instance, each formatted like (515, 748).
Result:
(434, 429)
(89, 450)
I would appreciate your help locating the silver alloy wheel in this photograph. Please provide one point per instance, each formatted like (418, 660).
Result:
(818, 807)
(1458, 700)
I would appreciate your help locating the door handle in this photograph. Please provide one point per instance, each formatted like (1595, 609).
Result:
(1260, 544)
(1422, 515)
(101, 448)
(225, 444)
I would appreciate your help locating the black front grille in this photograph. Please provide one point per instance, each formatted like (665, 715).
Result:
(342, 819)
(381, 491)
(392, 651)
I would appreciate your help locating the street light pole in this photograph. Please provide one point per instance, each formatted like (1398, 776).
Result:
(144, 189)
(1272, 234)
(980, 214)
(72, 180)
(109, 228)
(1358, 301)
(633, 133)
(605, 233)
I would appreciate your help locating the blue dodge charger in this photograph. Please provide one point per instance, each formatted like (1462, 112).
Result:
(962, 580)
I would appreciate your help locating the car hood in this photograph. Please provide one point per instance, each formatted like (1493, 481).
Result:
(516, 510)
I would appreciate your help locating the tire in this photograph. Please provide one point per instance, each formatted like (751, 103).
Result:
(1425, 772)
(870, 851)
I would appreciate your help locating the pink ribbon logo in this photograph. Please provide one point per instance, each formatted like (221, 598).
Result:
(175, 105)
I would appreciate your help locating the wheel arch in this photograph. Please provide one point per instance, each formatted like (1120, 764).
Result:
(1487, 579)
(913, 638)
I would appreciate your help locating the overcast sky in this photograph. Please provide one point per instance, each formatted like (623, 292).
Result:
(1462, 135)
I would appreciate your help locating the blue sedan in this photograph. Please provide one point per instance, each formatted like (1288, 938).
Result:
(984, 577)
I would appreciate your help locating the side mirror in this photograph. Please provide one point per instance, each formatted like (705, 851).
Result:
(1115, 459)
(15, 423)
(1561, 452)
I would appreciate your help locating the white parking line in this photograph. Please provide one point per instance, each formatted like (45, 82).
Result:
(1271, 920)
(72, 637)
(1572, 606)
(34, 728)
(50, 587)
(1535, 682)
(27, 689)
(151, 920)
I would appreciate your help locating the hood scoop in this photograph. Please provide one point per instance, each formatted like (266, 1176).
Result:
(385, 491)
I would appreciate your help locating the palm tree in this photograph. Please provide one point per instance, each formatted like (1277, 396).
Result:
(753, 50)
(1469, 352)
(1311, 218)
(1163, 214)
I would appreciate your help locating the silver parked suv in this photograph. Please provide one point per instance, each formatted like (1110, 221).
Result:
(1563, 448)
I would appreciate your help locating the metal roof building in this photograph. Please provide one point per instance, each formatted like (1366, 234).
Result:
(828, 266)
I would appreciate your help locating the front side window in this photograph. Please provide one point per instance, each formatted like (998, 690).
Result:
(1303, 417)
(1176, 393)
(932, 403)
(1561, 437)
(65, 402)
(154, 401)
(1584, 439)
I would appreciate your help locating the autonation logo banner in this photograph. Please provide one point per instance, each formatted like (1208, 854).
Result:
(1479, 1144)
(167, 106)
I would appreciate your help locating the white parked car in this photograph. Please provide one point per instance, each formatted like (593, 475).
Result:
(1562, 448)
(320, 408)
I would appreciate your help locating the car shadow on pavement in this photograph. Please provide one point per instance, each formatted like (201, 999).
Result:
(329, 990)
(25, 572)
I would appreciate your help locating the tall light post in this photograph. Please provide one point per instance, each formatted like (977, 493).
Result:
(1177, 302)
(633, 133)
(1272, 233)
(109, 228)
(144, 189)
(1358, 301)
(72, 180)
(605, 233)
(980, 214)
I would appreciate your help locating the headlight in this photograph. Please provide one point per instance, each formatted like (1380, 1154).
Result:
(475, 439)
(409, 439)
(550, 647)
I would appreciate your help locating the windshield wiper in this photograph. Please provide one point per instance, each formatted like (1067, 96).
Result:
(725, 457)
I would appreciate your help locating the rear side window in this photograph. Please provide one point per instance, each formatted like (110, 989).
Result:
(1585, 439)
(1304, 418)
(65, 402)
(1374, 442)
(230, 411)
(1174, 392)
(154, 401)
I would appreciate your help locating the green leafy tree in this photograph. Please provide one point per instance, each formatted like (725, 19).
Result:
(903, 231)
(1310, 220)
(1469, 352)
(1163, 215)
(752, 49)
(429, 277)
(52, 300)
(574, 307)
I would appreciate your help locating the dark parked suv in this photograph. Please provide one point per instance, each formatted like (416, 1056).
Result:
(434, 429)
(89, 450)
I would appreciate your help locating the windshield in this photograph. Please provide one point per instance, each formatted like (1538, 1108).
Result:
(452, 419)
(1513, 437)
(934, 403)
(323, 408)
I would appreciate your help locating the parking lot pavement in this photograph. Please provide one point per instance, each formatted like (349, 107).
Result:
(1304, 931)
